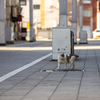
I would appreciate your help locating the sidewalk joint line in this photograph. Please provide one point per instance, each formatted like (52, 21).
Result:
(58, 84)
(81, 76)
(97, 63)
(38, 83)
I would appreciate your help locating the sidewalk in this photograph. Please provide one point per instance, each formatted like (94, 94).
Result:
(36, 84)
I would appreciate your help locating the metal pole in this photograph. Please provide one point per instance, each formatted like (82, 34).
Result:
(2, 23)
(2, 11)
(63, 12)
(31, 21)
(83, 34)
(63, 7)
(81, 15)
(74, 19)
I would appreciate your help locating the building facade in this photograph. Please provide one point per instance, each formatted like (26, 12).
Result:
(45, 13)
(6, 23)
(98, 15)
(89, 16)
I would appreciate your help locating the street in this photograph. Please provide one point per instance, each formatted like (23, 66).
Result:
(12, 58)
(33, 33)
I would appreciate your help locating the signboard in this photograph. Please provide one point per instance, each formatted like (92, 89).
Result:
(22, 2)
(19, 18)
(86, 1)
(14, 11)
(28, 26)
(19, 10)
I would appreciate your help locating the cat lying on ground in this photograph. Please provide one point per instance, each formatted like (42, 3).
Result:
(65, 60)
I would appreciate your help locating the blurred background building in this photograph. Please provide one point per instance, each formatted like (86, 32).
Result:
(89, 16)
(46, 16)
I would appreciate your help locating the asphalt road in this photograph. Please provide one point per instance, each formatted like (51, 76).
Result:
(17, 55)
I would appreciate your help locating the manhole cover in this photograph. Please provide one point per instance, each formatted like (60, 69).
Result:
(62, 70)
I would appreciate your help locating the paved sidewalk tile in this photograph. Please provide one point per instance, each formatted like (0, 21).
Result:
(36, 84)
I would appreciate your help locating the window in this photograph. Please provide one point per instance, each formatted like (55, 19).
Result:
(86, 1)
(36, 6)
(22, 2)
(87, 13)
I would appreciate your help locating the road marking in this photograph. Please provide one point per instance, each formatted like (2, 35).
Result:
(2, 78)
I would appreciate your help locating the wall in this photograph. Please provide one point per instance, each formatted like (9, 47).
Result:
(51, 13)
(89, 23)
(94, 5)
(46, 16)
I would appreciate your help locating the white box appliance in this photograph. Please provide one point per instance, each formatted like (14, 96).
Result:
(62, 42)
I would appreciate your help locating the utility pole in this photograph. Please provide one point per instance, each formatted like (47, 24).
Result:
(81, 15)
(2, 23)
(83, 33)
(32, 34)
(74, 19)
(63, 12)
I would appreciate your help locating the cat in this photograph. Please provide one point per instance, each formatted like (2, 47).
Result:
(65, 60)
